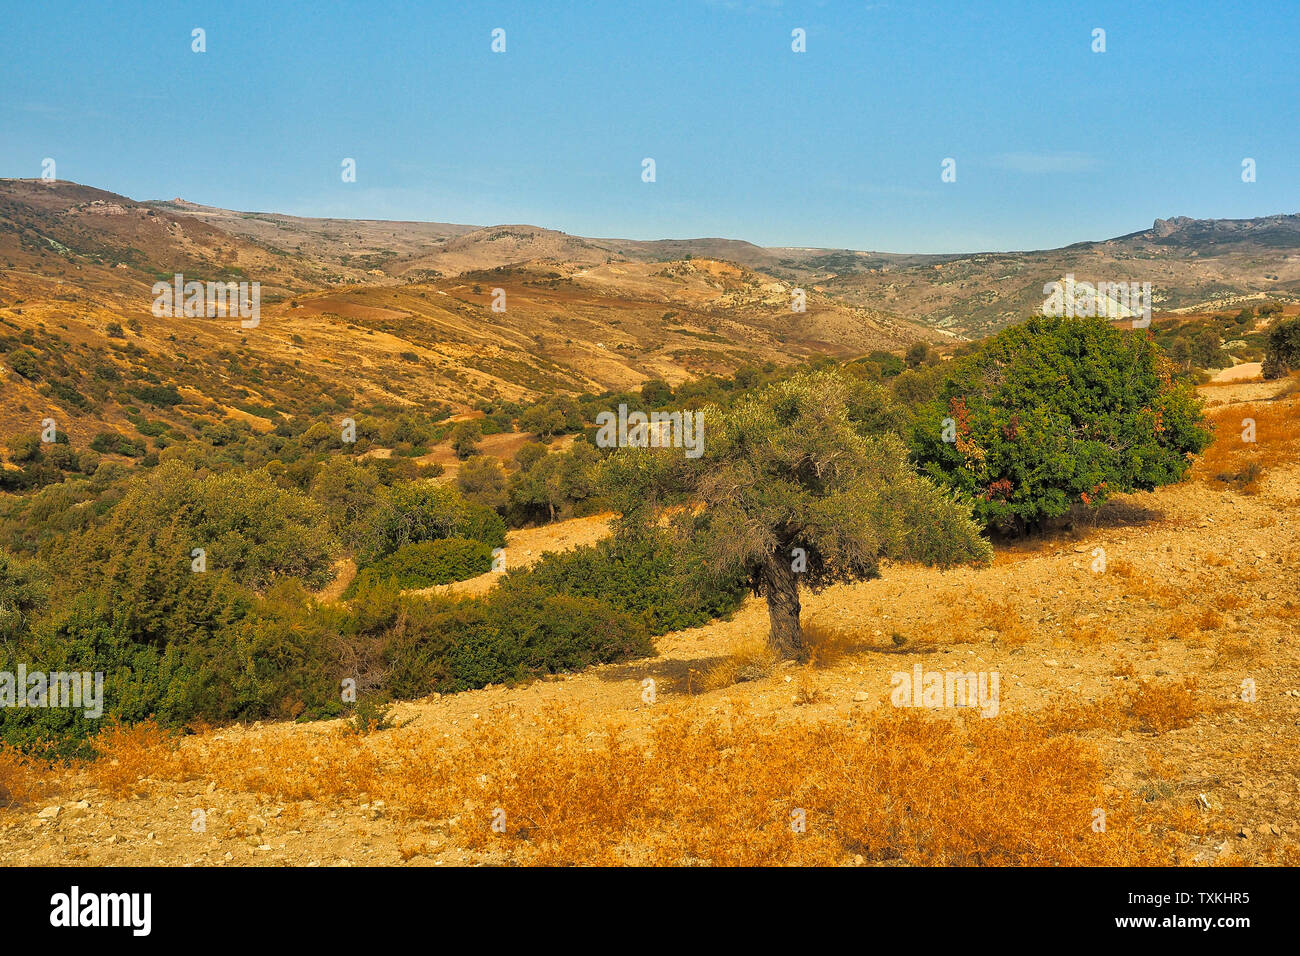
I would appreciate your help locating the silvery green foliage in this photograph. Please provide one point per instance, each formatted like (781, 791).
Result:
(786, 468)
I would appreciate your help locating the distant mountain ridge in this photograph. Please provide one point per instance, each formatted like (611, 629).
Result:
(1191, 263)
(390, 314)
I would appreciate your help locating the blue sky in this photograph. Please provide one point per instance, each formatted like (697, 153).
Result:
(840, 146)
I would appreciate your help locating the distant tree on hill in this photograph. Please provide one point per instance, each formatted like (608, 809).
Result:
(529, 455)
(656, 393)
(788, 492)
(1206, 349)
(465, 437)
(482, 480)
(349, 493)
(414, 511)
(1283, 353)
(24, 448)
(920, 354)
(542, 421)
(547, 484)
(1180, 353)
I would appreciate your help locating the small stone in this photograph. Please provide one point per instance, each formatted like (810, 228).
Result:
(861, 696)
(49, 813)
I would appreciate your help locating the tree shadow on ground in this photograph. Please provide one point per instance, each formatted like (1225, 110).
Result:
(1070, 531)
(662, 670)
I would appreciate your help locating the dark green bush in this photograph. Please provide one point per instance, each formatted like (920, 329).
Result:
(427, 563)
(449, 645)
(115, 443)
(1283, 355)
(663, 585)
(24, 363)
(414, 511)
(164, 395)
(1055, 414)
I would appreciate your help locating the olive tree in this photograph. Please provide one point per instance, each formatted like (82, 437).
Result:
(790, 492)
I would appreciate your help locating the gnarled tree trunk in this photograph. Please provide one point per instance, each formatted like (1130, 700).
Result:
(781, 588)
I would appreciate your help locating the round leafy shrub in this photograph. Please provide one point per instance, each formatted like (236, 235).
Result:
(1283, 354)
(1057, 413)
(427, 563)
(662, 583)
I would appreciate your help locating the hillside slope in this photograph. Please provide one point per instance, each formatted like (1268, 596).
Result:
(337, 333)
(1121, 690)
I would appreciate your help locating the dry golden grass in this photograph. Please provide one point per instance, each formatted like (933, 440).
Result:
(1286, 611)
(984, 620)
(130, 756)
(1091, 634)
(1170, 595)
(1002, 617)
(1228, 601)
(1145, 705)
(1233, 648)
(1190, 626)
(1163, 707)
(750, 660)
(1207, 619)
(1122, 568)
(894, 787)
(1241, 465)
(827, 644)
(20, 777)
